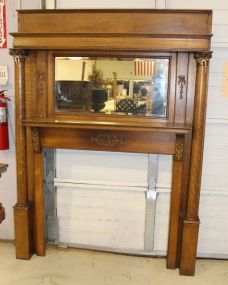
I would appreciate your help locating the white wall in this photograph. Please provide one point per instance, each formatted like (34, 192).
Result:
(104, 4)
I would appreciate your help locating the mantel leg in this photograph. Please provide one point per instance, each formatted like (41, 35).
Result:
(191, 221)
(39, 219)
(175, 219)
(23, 210)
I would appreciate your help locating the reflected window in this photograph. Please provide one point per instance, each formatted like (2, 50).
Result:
(121, 86)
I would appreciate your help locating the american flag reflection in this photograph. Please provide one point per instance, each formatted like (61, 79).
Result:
(144, 67)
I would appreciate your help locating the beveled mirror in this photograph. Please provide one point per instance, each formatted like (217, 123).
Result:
(120, 86)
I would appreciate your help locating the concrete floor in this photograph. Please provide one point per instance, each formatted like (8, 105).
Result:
(84, 267)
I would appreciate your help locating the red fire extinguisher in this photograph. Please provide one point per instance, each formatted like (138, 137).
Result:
(4, 138)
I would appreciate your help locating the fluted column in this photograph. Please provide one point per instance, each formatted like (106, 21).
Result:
(19, 57)
(191, 221)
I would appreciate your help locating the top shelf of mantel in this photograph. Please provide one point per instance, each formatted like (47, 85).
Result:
(108, 125)
(156, 30)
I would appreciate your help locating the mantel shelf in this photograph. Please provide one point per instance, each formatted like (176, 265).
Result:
(105, 125)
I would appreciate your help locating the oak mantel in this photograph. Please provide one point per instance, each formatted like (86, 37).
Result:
(180, 36)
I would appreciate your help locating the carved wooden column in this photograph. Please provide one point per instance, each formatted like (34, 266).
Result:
(39, 208)
(177, 182)
(23, 209)
(191, 221)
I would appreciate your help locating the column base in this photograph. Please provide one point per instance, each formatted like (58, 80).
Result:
(23, 222)
(189, 247)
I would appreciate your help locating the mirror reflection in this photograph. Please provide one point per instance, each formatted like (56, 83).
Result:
(122, 86)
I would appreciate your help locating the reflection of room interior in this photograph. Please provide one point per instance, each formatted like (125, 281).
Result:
(130, 86)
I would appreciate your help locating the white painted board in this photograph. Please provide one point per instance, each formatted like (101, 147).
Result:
(107, 168)
(107, 218)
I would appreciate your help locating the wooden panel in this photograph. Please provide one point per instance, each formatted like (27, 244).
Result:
(123, 21)
(189, 248)
(36, 84)
(174, 222)
(30, 165)
(41, 84)
(40, 243)
(108, 140)
(30, 85)
(181, 87)
(190, 89)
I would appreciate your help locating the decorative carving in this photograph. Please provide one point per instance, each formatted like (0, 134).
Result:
(181, 81)
(202, 58)
(41, 79)
(106, 140)
(36, 140)
(18, 54)
(179, 150)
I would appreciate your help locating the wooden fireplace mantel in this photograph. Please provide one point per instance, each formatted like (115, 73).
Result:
(183, 36)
